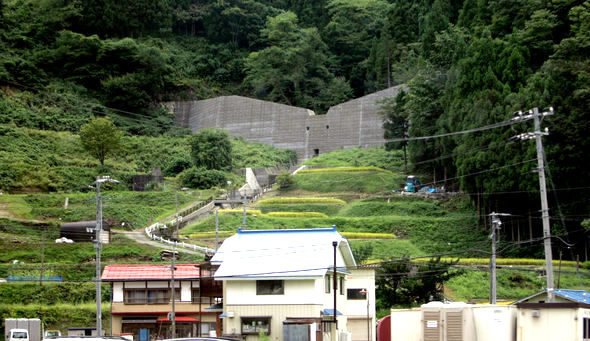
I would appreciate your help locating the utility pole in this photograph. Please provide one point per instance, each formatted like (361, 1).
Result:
(537, 135)
(335, 287)
(216, 228)
(42, 256)
(544, 204)
(98, 247)
(496, 225)
(173, 314)
(172, 284)
(245, 203)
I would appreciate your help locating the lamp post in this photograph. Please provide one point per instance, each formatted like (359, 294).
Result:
(366, 292)
(98, 247)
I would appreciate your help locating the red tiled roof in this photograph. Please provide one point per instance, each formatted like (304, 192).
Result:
(149, 272)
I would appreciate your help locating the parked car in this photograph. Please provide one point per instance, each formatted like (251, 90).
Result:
(18, 334)
(52, 332)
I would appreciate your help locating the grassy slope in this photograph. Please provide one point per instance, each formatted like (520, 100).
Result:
(36, 160)
(36, 163)
(423, 226)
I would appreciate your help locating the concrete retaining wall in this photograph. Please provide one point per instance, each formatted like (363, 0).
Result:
(356, 123)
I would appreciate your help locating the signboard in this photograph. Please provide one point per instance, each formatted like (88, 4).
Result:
(432, 324)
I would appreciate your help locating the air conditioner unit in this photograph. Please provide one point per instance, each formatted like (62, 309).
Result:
(345, 336)
(536, 313)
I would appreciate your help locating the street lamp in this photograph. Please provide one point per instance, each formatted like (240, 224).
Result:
(366, 292)
(98, 247)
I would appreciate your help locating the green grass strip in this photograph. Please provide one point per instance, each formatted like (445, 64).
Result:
(240, 211)
(296, 215)
(206, 235)
(368, 235)
(287, 201)
(341, 169)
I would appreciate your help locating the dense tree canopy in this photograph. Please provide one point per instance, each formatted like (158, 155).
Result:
(466, 64)
(211, 149)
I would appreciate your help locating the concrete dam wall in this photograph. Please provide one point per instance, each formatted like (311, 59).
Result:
(356, 123)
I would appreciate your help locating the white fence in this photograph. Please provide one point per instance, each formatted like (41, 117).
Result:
(149, 231)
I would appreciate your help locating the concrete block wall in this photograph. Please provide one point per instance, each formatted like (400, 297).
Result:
(356, 123)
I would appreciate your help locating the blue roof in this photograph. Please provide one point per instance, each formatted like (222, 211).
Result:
(331, 312)
(581, 296)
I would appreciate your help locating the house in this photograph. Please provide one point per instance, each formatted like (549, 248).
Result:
(360, 306)
(293, 285)
(561, 296)
(142, 300)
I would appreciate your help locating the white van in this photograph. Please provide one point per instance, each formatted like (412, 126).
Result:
(18, 335)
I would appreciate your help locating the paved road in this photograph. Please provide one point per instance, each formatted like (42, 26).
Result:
(140, 237)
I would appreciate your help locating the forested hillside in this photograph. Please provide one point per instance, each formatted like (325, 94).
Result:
(467, 64)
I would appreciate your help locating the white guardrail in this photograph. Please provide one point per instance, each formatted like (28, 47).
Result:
(150, 229)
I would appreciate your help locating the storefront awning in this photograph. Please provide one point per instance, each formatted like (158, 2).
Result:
(331, 312)
(180, 319)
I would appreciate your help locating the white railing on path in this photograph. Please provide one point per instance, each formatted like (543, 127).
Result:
(149, 231)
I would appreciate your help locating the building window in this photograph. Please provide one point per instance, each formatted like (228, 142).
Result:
(254, 325)
(197, 298)
(155, 296)
(150, 296)
(327, 284)
(206, 327)
(327, 127)
(196, 295)
(176, 295)
(137, 296)
(270, 287)
(586, 324)
(341, 280)
(356, 294)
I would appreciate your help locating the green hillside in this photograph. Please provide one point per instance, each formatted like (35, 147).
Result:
(34, 160)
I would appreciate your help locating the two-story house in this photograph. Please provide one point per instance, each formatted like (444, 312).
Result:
(142, 300)
(288, 284)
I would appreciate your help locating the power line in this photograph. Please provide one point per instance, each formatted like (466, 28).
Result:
(468, 131)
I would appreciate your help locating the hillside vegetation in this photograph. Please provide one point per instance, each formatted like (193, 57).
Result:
(34, 160)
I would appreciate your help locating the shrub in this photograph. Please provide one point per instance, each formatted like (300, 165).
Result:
(211, 149)
(285, 181)
(176, 166)
(202, 178)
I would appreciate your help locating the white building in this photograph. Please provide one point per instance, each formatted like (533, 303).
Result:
(283, 283)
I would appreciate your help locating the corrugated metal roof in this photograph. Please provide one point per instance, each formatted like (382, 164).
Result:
(149, 272)
(281, 253)
(581, 296)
